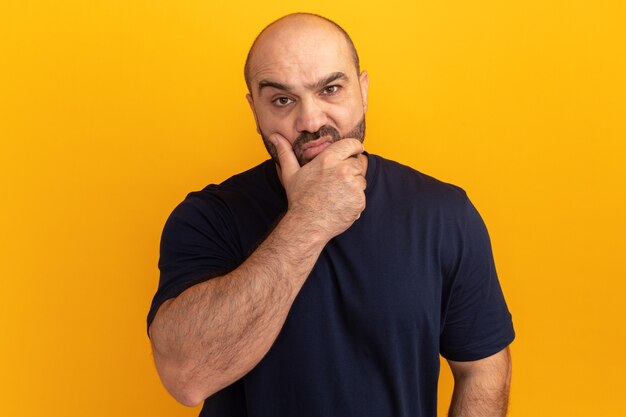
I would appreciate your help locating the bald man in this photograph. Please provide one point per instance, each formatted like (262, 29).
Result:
(327, 280)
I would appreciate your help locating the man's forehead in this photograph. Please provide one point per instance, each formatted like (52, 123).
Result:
(309, 51)
(302, 69)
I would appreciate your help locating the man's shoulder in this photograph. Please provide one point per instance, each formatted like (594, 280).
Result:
(261, 175)
(255, 188)
(404, 179)
(257, 180)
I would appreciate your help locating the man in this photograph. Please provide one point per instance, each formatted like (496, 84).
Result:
(281, 294)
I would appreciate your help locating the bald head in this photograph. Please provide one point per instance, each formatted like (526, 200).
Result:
(296, 30)
(305, 84)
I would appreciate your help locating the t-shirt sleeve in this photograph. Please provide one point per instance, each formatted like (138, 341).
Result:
(476, 322)
(198, 243)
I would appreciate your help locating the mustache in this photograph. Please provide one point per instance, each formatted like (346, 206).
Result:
(306, 137)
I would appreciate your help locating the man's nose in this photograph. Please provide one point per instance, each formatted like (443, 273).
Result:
(311, 116)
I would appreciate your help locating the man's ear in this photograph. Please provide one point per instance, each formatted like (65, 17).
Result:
(251, 103)
(364, 83)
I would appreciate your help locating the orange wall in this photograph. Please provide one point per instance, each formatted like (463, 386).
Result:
(111, 111)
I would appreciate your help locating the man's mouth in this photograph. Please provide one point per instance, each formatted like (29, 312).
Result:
(316, 143)
(313, 148)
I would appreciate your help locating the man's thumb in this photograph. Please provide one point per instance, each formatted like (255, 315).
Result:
(286, 158)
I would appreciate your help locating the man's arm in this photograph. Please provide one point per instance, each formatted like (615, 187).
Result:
(217, 331)
(481, 388)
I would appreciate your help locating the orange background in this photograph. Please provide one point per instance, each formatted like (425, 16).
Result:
(111, 111)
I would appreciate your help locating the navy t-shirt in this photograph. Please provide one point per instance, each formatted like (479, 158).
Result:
(413, 277)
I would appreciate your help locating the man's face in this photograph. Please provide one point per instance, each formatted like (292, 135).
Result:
(304, 85)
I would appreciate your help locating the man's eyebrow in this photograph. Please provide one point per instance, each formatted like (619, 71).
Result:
(327, 80)
(273, 84)
(315, 86)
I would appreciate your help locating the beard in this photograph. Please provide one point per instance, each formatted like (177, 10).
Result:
(357, 132)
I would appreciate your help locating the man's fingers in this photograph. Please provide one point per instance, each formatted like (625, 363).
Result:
(346, 148)
(357, 165)
(287, 159)
(362, 182)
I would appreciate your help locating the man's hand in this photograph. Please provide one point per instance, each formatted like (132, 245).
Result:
(328, 192)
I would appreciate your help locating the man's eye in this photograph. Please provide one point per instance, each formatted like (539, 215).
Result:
(282, 101)
(330, 90)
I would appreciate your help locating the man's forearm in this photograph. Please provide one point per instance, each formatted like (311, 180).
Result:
(472, 399)
(215, 332)
(481, 388)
